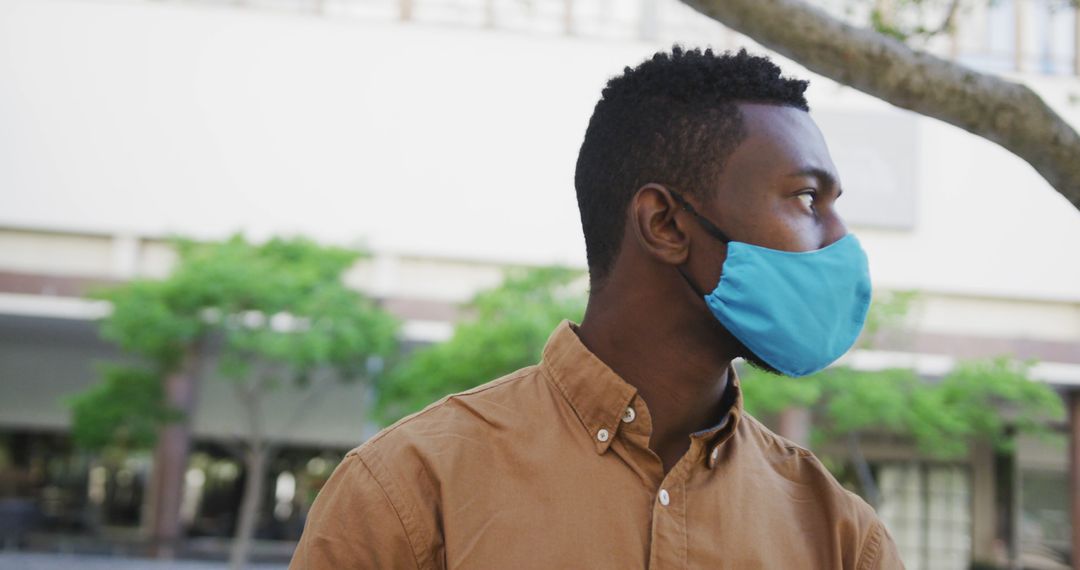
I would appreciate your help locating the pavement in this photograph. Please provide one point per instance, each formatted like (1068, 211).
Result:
(41, 561)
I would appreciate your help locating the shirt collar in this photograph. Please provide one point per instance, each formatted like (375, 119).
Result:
(597, 394)
(600, 397)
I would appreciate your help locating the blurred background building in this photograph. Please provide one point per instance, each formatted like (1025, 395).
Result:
(442, 135)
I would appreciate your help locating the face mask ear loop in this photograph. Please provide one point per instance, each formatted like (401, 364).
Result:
(708, 226)
(698, 292)
(705, 223)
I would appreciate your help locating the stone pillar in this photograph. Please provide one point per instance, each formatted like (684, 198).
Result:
(795, 425)
(983, 503)
(1018, 34)
(1072, 401)
(1076, 42)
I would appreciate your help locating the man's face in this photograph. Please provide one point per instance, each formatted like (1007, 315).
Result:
(777, 190)
(779, 187)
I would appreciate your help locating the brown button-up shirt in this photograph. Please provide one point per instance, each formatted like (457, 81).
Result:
(550, 467)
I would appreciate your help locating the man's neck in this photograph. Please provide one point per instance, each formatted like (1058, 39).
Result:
(679, 375)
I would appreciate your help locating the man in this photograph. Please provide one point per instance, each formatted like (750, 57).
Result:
(707, 201)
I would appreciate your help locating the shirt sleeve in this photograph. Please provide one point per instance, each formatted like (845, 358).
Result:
(880, 552)
(353, 524)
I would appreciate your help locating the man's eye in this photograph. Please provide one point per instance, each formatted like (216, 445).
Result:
(807, 199)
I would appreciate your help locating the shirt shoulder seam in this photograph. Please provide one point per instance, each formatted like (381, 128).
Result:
(498, 382)
(803, 453)
(782, 441)
(869, 556)
(869, 548)
(403, 511)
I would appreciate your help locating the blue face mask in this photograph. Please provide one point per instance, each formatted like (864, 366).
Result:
(796, 311)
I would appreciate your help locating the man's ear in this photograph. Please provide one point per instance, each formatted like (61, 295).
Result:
(659, 231)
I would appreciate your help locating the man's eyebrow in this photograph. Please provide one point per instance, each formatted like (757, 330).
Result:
(823, 176)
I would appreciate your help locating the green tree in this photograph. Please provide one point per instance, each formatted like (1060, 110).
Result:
(976, 400)
(123, 411)
(270, 314)
(505, 329)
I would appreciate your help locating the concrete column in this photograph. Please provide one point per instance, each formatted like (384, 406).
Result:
(1076, 41)
(983, 503)
(1018, 37)
(489, 13)
(125, 256)
(795, 425)
(649, 24)
(1072, 400)
(568, 17)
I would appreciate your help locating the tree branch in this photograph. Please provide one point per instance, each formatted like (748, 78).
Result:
(950, 18)
(249, 392)
(945, 26)
(1007, 113)
(320, 384)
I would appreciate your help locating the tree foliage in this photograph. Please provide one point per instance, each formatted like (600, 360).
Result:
(979, 399)
(976, 400)
(124, 410)
(505, 330)
(919, 20)
(279, 310)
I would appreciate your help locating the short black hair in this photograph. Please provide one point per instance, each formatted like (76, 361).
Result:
(673, 119)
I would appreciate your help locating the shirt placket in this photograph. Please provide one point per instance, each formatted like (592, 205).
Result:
(669, 534)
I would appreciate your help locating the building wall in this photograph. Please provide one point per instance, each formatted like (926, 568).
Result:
(441, 141)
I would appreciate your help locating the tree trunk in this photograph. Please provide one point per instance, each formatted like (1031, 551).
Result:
(1007, 113)
(256, 456)
(171, 455)
(255, 464)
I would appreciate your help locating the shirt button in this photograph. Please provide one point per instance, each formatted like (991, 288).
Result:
(664, 497)
(602, 435)
(629, 415)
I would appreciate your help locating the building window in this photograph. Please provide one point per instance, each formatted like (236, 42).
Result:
(1044, 527)
(927, 508)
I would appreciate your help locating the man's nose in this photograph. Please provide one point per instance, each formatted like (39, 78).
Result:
(835, 229)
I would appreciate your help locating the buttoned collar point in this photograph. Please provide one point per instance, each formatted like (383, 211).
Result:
(600, 397)
(596, 393)
(712, 439)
